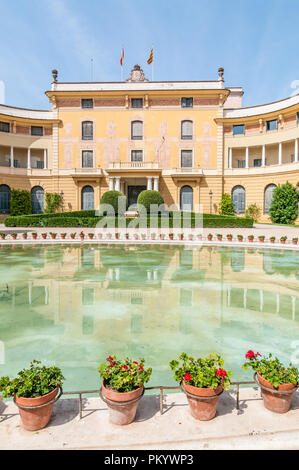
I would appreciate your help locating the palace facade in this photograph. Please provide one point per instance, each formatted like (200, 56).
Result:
(192, 141)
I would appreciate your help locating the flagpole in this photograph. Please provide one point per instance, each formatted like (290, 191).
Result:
(153, 65)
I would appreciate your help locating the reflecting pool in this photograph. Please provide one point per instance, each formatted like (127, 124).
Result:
(75, 305)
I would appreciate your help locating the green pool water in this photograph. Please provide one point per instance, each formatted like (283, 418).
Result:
(74, 306)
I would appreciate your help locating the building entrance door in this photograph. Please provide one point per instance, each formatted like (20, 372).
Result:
(133, 193)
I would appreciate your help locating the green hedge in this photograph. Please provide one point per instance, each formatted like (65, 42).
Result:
(87, 219)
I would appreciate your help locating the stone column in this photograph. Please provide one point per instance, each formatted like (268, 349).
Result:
(296, 151)
(156, 183)
(280, 153)
(149, 183)
(11, 157)
(264, 155)
(111, 184)
(247, 157)
(117, 184)
(28, 158)
(45, 158)
(230, 158)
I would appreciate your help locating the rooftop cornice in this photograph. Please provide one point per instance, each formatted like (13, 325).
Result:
(136, 86)
(287, 105)
(25, 113)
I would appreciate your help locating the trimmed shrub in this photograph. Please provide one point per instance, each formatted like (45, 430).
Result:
(253, 211)
(148, 197)
(111, 198)
(226, 206)
(284, 205)
(20, 202)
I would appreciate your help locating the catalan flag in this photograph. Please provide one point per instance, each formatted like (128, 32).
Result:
(122, 57)
(151, 57)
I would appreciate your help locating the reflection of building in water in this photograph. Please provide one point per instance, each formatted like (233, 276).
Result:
(96, 291)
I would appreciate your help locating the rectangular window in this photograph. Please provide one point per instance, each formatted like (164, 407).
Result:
(137, 130)
(37, 130)
(136, 103)
(297, 117)
(257, 162)
(136, 156)
(241, 163)
(239, 129)
(87, 130)
(271, 125)
(87, 103)
(292, 158)
(4, 127)
(187, 130)
(187, 103)
(186, 159)
(87, 159)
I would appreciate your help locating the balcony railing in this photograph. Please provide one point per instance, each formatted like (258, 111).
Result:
(183, 171)
(134, 166)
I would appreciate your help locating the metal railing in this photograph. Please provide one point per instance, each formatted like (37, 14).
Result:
(161, 389)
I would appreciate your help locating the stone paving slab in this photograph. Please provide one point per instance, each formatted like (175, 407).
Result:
(250, 427)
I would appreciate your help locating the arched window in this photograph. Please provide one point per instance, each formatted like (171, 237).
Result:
(137, 130)
(37, 200)
(87, 130)
(186, 198)
(187, 130)
(4, 199)
(239, 199)
(87, 198)
(269, 190)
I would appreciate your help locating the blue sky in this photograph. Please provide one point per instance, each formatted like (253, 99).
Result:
(256, 41)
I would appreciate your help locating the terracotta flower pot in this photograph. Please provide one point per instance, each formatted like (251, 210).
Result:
(272, 240)
(34, 237)
(278, 403)
(229, 239)
(14, 236)
(250, 240)
(295, 242)
(283, 242)
(204, 410)
(63, 236)
(125, 414)
(170, 237)
(210, 238)
(219, 238)
(24, 235)
(53, 236)
(38, 418)
(44, 235)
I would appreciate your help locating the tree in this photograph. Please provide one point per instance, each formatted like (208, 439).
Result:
(284, 205)
(226, 205)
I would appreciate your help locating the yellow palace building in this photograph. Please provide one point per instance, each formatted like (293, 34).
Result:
(190, 140)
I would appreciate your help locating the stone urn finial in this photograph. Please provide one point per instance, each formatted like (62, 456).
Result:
(220, 74)
(54, 75)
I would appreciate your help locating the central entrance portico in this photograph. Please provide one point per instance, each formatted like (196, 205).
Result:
(131, 185)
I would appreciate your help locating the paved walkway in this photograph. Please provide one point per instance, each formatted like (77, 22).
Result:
(250, 427)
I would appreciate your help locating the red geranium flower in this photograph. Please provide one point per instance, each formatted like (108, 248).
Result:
(140, 367)
(109, 359)
(250, 354)
(134, 362)
(221, 372)
(188, 377)
(124, 367)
